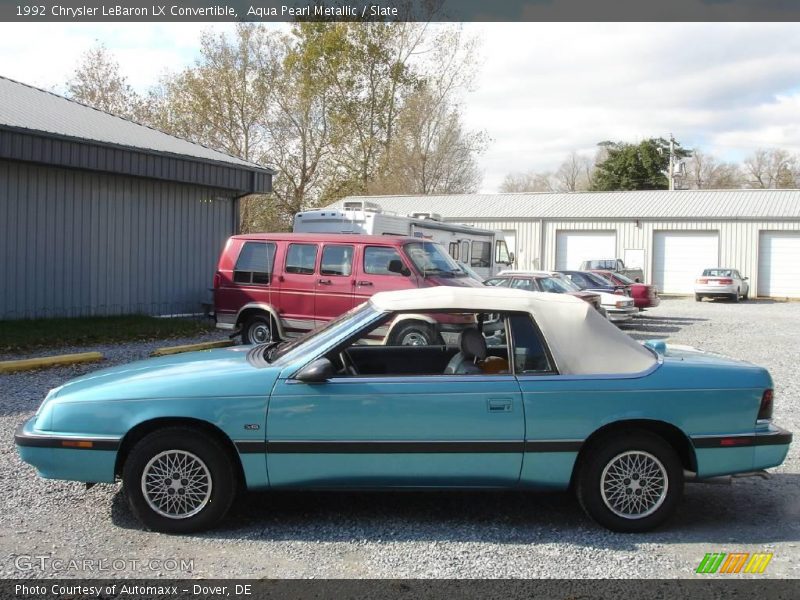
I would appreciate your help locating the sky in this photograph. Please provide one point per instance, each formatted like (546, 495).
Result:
(541, 90)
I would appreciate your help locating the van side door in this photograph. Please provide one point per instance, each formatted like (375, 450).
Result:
(298, 287)
(335, 282)
(374, 274)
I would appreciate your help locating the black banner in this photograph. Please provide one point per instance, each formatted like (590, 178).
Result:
(710, 588)
(399, 10)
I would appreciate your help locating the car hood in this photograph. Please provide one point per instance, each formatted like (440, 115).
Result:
(208, 373)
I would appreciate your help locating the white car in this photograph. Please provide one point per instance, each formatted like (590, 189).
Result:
(618, 308)
(721, 283)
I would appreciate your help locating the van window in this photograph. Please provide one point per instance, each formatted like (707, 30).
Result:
(481, 254)
(453, 249)
(337, 260)
(255, 263)
(301, 259)
(464, 251)
(377, 258)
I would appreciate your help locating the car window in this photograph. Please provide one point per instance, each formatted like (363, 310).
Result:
(523, 284)
(498, 281)
(552, 285)
(430, 257)
(337, 260)
(255, 263)
(624, 279)
(481, 254)
(301, 259)
(377, 259)
(530, 353)
(440, 343)
(578, 279)
(595, 279)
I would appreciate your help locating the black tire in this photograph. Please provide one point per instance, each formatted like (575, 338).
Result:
(259, 329)
(210, 505)
(746, 295)
(415, 333)
(735, 297)
(612, 452)
(698, 298)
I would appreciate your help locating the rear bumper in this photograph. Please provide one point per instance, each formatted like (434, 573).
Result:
(715, 290)
(619, 315)
(646, 302)
(740, 453)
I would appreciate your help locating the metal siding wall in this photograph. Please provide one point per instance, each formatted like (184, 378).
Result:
(79, 243)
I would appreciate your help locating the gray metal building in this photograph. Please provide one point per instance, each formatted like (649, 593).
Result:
(672, 236)
(100, 215)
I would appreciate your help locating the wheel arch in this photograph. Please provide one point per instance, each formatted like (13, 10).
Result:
(671, 434)
(140, 430)
(253, 308)
(404, 318)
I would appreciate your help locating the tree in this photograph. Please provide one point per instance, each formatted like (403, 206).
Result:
(641, 166)
(575, 173)
(770, 169)
(705, 172)
(98, 82)
(527, 182)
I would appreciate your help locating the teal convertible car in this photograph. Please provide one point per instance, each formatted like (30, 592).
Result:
(528, 391)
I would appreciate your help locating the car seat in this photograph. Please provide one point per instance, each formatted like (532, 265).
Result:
(472, 347)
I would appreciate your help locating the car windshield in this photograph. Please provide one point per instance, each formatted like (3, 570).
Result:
(624, 279)
(717, 273)
(602, 264)
(570, 285)
(430, 258)
(310, 340)
(554, 285)
(599, 280)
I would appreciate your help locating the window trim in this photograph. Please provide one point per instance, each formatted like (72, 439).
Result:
(457, 246)
(289, 249)
(472, 255)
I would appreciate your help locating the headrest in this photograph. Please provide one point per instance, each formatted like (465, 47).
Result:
(472, 343)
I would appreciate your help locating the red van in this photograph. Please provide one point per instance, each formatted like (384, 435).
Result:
(278, 285)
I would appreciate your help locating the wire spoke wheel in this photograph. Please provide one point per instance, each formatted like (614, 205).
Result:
(634, 484)
(176, 484)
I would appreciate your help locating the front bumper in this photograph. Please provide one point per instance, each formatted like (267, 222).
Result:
(72, 457)
(619, 315)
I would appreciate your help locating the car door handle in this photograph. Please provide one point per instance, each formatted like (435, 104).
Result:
(500, 404)
(324, 281)
(364, 283)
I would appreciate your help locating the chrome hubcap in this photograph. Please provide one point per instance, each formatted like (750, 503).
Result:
(176, 484)
(414, 338)
(260, 333)
(634, 484)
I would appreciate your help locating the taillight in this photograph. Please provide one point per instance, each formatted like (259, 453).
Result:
(765, 410)
(217, 279)
(701, 281)
(726, 281)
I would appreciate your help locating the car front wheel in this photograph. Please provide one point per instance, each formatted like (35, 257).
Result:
(179, 480)
(630, 483)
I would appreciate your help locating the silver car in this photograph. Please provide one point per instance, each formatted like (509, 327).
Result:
(721, 283)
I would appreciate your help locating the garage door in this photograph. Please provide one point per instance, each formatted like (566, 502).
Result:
(779, 264)
(574, 247)
(680, 256)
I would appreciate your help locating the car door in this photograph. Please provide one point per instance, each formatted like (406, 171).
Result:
(396, 430)
(298, 287)
(374, 275)
(335, 284)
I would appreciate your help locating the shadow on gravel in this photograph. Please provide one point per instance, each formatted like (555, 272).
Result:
(746, 512)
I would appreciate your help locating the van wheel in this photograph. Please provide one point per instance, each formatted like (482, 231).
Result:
(258, 329)
(416, 333)
(631, 482)
(179, 480)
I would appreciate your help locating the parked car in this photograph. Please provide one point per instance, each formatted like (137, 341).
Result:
(542, 282)
(615, 265)
(644, 295)
(588, 280)
(618, 306)
(721, 283)
(272, 286)
(566, 401)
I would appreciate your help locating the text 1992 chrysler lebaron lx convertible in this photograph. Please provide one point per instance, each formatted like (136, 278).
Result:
(539, 392)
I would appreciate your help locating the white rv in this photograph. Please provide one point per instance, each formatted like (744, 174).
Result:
(483, 250)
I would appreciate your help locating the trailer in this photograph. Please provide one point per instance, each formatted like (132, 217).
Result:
(484, 250)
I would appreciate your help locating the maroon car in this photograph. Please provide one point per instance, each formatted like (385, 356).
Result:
(644, 295)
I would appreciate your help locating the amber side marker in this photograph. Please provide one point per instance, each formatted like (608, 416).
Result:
(76, 444)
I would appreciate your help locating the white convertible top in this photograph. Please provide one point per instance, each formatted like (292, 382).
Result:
(581, 340)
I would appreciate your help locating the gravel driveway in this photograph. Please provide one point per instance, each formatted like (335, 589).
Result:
(407, 535)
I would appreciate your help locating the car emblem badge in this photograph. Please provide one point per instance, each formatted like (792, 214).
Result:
(252, 426)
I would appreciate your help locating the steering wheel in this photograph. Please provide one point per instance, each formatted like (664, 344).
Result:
(347, 363)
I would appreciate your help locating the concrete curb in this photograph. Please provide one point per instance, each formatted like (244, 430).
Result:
(27, 364)
(191, 347)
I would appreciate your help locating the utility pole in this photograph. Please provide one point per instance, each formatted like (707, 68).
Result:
(671, 163)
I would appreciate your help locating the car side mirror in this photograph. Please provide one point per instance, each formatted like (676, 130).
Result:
(396, 266)
(745, 278)
(511, 258)
(316, 372)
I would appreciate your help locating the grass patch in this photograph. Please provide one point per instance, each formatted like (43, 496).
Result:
(16, 336)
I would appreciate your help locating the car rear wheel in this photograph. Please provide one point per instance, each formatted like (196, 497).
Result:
(415, 333)
(698, 298)
(630, 483)
(735, 297)
(259, 329)
(179, 480)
